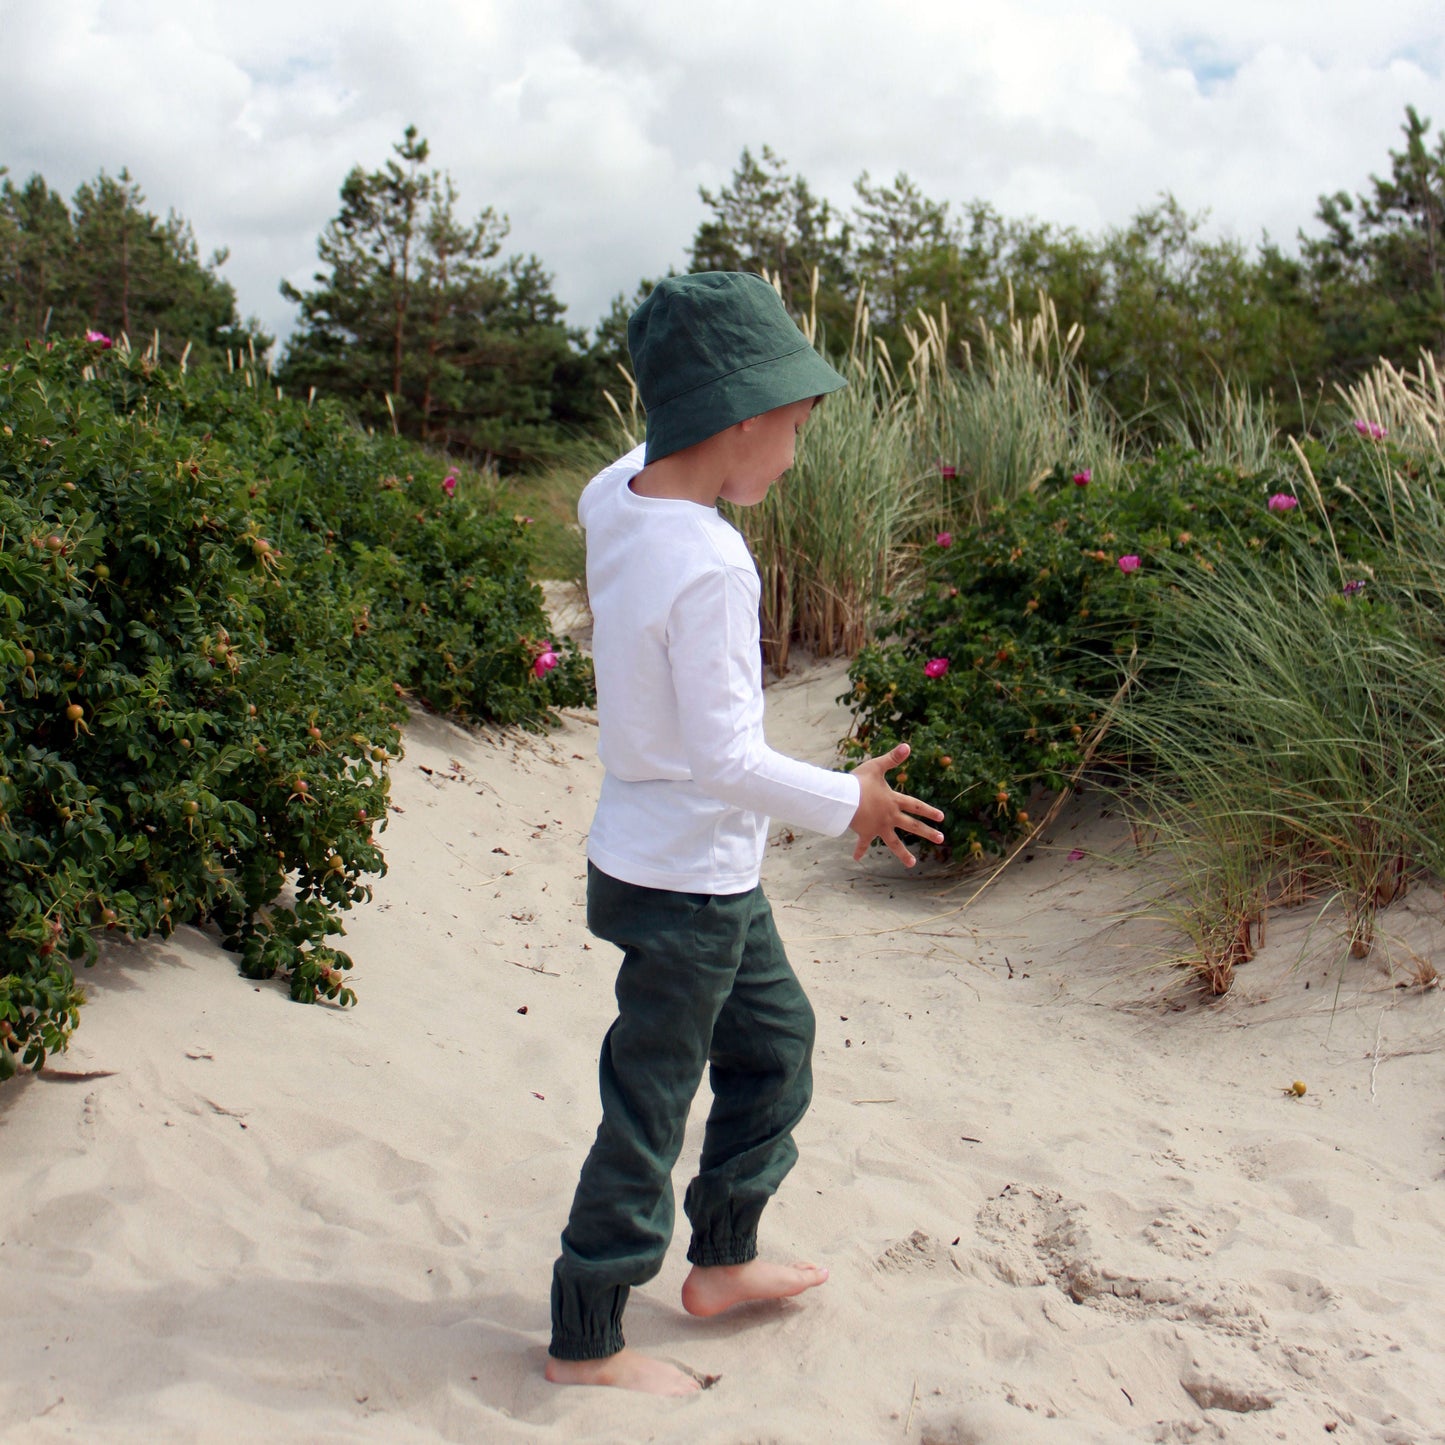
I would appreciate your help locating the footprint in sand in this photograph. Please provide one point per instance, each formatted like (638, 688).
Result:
(1303, 1292)
(1187, 1234)
(919, 1252)
(1253, 1161)
(1042, 1238)
(1040, 1234)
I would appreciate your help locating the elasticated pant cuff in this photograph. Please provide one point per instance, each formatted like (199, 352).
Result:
(712, 1252)
(575, 1347)
(586, 1321)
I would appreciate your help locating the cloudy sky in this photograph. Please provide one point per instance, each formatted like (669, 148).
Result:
(592, 123)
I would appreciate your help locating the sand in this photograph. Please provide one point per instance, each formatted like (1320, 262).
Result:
(1062, 1201)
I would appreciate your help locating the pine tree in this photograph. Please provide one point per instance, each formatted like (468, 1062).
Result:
(1378, 272)
(35, 249)
(418, 324)
(105, 263)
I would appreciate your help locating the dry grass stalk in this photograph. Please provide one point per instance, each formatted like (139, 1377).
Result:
(1011, 413)
(1410, 406)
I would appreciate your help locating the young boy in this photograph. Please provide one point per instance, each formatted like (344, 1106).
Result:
(677, 841)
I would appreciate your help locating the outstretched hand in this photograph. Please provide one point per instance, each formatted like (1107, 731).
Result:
(882, 812)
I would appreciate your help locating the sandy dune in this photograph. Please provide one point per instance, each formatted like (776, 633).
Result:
(1058, 1206)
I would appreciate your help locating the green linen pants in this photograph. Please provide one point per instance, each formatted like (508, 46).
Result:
(704, 981)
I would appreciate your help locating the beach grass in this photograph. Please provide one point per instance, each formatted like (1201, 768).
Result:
(1018, 406)
(1287, 739)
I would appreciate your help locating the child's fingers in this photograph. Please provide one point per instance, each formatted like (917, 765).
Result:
(920, 829)
(921, 809)
(902, 818)
(893, 843)
(909, 814)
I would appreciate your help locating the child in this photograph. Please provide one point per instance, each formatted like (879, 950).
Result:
(677, 841)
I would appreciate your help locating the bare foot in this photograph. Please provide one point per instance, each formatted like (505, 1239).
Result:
(711, 1289)
(627, 1370)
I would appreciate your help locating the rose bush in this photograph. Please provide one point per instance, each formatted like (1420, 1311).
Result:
(999, 665)
(212, 606)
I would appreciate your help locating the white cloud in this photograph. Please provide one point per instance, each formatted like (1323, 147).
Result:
(593, 122)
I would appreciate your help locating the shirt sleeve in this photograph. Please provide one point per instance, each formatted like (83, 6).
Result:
(712, 641)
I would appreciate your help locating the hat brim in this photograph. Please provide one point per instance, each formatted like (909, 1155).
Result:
(696, 415)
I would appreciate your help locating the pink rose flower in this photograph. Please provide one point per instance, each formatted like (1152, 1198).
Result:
(1075, 854)
(449, 486)
(100, 338)
(935, 667)
(1371, 429)
(1282, 502)
(944, 539)
(1083, 477)
(546, 662)
(1129, 564)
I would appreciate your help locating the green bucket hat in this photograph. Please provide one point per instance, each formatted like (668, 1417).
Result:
(712, 349)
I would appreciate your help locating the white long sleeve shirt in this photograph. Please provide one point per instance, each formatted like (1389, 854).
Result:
(690, 781)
